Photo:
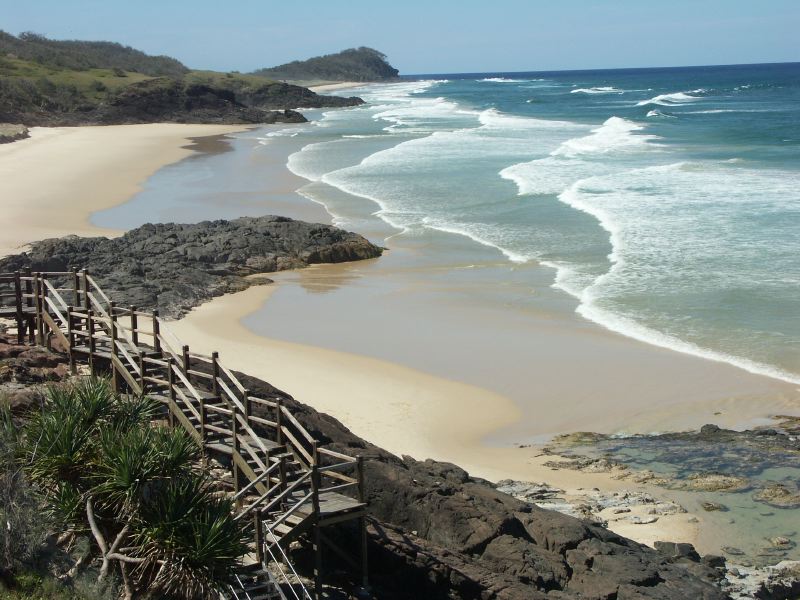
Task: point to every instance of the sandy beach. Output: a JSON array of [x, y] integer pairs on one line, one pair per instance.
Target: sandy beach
[[332, 87], [403, 410], [433, 369], [52, 182]]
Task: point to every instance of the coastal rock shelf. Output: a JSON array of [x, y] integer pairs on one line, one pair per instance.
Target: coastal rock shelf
[[436, 532], [175, 267]]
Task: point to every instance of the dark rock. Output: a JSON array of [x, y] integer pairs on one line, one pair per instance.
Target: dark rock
[[471, 541], [714, 561], [176, 267], [675, 551], [709, 506], [164, 100], [12, 133]]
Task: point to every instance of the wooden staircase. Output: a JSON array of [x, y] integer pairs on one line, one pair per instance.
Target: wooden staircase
[[283, 483]]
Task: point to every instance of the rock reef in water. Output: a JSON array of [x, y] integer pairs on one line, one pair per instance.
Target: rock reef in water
[[175, 267]]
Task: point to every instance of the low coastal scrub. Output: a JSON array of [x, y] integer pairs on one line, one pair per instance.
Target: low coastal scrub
[[54, 82], [98, 496]]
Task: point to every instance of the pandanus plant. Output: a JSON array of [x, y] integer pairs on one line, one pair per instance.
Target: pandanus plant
[[104, 467]]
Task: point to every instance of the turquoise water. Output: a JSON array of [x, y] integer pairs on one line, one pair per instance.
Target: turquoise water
[[667, 201]]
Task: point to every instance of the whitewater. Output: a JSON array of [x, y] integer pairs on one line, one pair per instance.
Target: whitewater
[[665, 201]]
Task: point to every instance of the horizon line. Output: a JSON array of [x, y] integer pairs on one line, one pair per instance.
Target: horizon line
[[754, 64]]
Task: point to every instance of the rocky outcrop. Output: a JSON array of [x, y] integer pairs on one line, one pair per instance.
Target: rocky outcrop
[[278, 95], [22, 369], [353, 64], [438, 533], [11, 133], [175, 267], [163, 100]]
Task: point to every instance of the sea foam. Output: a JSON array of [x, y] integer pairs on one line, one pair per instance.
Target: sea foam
[[674, 98], [597, 90]]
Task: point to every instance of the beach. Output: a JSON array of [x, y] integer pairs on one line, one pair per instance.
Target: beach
[[430, 351], [52, 182]]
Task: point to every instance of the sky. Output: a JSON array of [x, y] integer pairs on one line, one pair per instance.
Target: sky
[[430, 36]]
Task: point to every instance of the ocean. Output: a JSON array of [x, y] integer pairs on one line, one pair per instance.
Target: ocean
[[667, 201]]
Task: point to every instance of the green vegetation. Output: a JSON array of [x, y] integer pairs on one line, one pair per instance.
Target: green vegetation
[[51, 82], [227, 80], [130, 492], [76, 55], [354, 64]]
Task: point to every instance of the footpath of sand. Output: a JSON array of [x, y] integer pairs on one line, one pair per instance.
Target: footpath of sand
[[52, 182]]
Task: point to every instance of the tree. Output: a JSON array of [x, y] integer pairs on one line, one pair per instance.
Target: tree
[[155, 518]]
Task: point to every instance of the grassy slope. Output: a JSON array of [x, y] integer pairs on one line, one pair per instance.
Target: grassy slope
[[226, 80], [92, 83], [95, 84]]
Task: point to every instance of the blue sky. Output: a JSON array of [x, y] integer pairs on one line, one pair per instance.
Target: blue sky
[[430, 36]]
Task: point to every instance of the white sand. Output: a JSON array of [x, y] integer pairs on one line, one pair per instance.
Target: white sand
[[332, 87], [400, 409], [52, 182]]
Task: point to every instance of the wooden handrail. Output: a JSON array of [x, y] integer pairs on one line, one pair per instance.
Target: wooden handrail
[[255, 482], [97, 288], [298, 426], [295, 507], [191, 393], [335, 454]]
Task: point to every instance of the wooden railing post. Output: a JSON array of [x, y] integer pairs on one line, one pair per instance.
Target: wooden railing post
[[142, 372], [114, 352], [235, 454], [235, 430], [215, 375], [43, 309], [203, 419], [247, 403], [18, 301], [279, 420], [186, 361], [259, 534], [29, 304], [91, 340], [173, 403], [156, 333], [29, 287], [38, 306], [282, 472], [87, 303], [76, 288], [71, 341], [134, 326]]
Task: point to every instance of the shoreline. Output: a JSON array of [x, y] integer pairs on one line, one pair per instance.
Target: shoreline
[[411, 409], [427, 415], [332, 87], [55, 180]]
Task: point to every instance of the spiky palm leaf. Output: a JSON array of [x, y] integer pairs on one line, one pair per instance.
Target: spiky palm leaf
[[58, 447], [130, 464], [194, 536], [132, 411]]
